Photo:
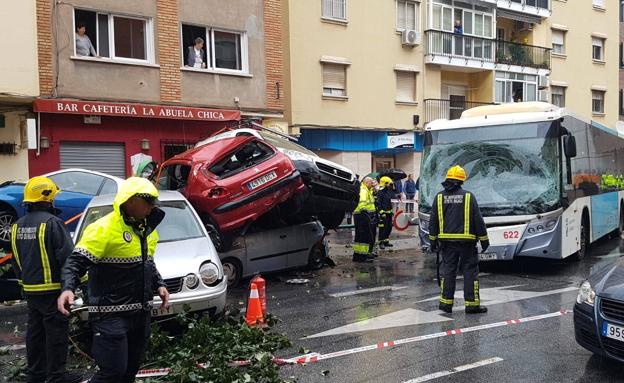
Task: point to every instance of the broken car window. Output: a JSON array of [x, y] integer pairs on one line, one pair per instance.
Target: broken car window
[[249, 155]]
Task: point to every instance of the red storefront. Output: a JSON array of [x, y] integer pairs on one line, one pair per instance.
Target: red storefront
[[103, 136]]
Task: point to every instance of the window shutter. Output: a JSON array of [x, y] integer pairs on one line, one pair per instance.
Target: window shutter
[[599, 3], [410, 15], [334, 76], [327, 8], [597, 41], [557, 37], [401, 17], [406, 86]]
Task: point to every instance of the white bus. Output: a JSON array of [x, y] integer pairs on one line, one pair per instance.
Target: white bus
[[547, 182]]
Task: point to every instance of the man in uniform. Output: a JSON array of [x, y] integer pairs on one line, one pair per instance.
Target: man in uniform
[[41, 244], [118, 251], [383, 204], [455, 226], [364, 220]]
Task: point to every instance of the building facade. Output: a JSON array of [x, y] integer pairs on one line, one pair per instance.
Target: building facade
[[124, 80], [361, 73]]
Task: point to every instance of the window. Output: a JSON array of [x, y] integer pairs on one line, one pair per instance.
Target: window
[[334, 79], [407, 15], [621, 55], [335, 9], [558, 95], [598, 49], [515, 87], [598, 97], [252, 154], [109, 187], [78, 182], [598, 3], [113, 36], [558, 42], [208, 48], [405, 86], [621, 102]]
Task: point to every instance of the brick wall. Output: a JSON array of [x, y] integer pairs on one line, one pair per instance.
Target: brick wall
[[274, 54], [168, 45], [44, 46]]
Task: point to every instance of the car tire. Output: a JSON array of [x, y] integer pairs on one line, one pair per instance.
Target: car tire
[[7, 219], [316, 259], [584, 239], [233, 269], [332, 220]]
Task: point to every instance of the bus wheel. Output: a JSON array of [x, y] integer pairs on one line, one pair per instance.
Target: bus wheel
[[584, 239], [620, 229]]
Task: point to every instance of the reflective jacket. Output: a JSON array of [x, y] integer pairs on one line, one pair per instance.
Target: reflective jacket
[[455, 216], [367, 200], [40, 244], [118, 254]]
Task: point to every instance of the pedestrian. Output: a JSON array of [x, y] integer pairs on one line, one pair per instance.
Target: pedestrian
[[410, 193], [458, 29], [383, 203], [365, 220], [454, 228], [118, 251], [398, 188], [41, 244]]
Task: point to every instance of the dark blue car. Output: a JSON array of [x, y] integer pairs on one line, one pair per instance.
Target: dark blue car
[[77, 186]]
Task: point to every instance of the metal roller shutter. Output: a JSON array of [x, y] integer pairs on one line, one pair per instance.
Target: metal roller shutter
[[101, 157]]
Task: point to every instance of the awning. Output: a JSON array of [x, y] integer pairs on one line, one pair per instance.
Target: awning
[[518, 16]]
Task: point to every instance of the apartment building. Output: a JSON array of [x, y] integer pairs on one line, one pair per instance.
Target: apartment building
[[365, 76], [121, 80]]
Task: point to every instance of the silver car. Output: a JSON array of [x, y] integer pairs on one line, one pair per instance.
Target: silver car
[[185, 255], [275, 249]]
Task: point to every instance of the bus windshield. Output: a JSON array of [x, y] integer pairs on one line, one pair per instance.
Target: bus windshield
[[512, 169]]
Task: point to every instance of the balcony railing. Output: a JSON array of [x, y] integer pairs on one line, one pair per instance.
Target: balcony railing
[[440, 43], [449, 109], [522, 55], [545, 4]]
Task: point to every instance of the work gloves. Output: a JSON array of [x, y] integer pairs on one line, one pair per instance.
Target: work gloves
[[484, 245], [435, 245]]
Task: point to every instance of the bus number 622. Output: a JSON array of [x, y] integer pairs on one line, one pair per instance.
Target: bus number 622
[[511, 234]]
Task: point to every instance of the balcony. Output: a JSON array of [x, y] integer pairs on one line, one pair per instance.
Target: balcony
[[448, 109], [514, 54], [539, 8]]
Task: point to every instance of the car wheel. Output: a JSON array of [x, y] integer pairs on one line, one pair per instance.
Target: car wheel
[[584, 240], [7, 219], [332, 220], [233, 269], [316, 259]]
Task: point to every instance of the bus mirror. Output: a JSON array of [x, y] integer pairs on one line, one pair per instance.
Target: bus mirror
[[569, 146]]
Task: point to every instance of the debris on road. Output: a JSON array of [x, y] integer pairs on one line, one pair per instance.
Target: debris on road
[[297, 281]]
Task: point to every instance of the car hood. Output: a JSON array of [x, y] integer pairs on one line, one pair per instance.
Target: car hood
[[179, 258], [609, 280]]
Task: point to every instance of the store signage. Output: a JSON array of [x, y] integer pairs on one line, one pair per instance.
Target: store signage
[[400, 140], [134, 110]]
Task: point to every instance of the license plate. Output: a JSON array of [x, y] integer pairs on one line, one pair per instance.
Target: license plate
[[261, 180], [613, 332], [487, 257], [157, 312]]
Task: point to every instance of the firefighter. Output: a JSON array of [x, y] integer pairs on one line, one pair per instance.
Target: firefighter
[[118, 251], [364, 219], [41, 244], [455, 226], [383, 203]]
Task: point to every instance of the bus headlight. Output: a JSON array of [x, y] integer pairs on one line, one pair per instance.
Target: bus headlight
[[209, 273], [586, 294]]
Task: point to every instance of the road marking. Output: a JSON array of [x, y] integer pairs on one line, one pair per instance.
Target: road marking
[[366, 291], [410, 317], [455, 370]]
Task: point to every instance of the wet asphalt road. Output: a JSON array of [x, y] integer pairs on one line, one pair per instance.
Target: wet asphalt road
[[401, 286]]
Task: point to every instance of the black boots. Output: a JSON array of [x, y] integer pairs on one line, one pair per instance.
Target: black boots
[[476, 309], [388, 244], [361, 258], [446, 308]]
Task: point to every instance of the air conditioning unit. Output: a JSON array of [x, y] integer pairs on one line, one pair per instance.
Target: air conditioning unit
[[410, 37], [542, 95], [543, 82]]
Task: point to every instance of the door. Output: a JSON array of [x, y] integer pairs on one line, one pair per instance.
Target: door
[[456, 96], [109, 158], [382, 163], [267, 250]]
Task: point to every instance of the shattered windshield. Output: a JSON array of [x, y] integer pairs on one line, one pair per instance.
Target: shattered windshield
[[512, 169]]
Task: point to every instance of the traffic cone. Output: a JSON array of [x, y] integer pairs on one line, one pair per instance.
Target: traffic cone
[[254, 308]]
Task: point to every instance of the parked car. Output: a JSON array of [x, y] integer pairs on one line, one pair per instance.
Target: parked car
[[333, 189], [599, 312], [232, 182], [277, 249], [185, 255], [77, 186]]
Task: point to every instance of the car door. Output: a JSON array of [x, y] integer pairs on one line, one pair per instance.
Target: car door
[[267, 250], [300, 239], [77, 190]]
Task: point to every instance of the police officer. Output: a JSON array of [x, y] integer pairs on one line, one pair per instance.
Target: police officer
[[364, 220], [383, 203], [118, 251], [455, 226], [41, 244]]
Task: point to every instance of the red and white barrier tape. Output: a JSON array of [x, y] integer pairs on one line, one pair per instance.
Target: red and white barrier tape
[[315, 357]]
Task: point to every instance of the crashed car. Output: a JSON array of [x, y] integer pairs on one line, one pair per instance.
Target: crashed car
[[333, 189], [232, 182], [185, 255]]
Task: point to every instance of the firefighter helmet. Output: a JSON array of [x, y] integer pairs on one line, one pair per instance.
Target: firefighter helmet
[[385, 181], [40, 189], [456, 173]]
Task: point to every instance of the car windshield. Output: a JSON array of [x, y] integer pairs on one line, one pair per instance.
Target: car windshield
[[512, 169], [245, 157], [284, 143], [179, 223]]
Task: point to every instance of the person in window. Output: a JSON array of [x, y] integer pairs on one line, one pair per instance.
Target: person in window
[[83, 42], [458, 28], [195, 55]]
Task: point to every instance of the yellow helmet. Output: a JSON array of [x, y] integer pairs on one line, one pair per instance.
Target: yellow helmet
[[40, 189], [385, 181], [456, 173]]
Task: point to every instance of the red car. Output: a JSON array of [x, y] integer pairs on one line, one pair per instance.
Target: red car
[[232, 182]]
